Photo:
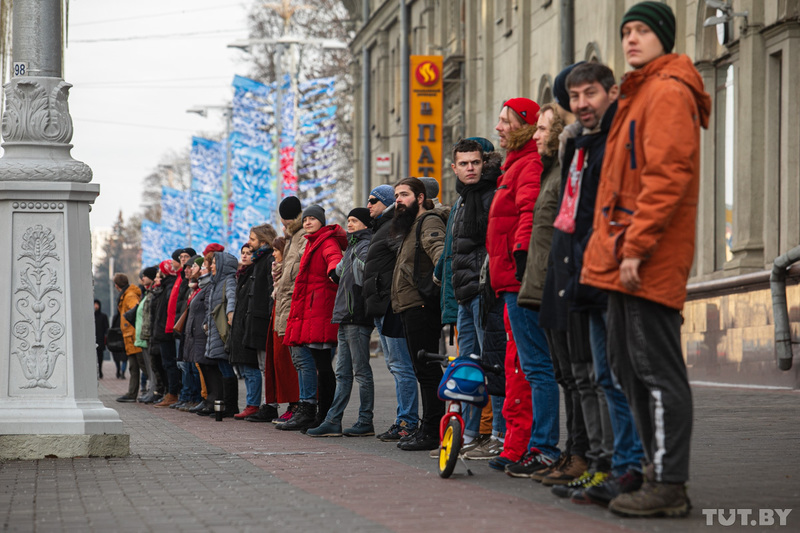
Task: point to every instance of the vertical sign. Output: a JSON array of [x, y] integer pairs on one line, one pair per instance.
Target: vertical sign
[[425, 124]]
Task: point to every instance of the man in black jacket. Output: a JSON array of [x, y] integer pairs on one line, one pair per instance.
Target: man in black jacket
[[378, 270]]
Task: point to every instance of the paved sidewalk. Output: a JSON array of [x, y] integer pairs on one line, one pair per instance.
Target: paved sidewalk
[[190, 473]]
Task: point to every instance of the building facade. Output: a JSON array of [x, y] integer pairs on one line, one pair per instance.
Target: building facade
[[749, 211]]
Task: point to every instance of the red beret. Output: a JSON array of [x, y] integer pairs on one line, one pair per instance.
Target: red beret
[[526, 108], [214, 247]]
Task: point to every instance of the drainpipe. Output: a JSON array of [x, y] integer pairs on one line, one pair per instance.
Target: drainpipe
[[366, 139], [567, 33], [780, 313], [404, 81]]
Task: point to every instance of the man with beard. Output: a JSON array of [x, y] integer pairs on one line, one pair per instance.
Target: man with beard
[[381, 258], [423, 230]]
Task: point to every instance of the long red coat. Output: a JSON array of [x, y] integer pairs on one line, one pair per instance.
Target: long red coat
[[511, 215], [314, 293]]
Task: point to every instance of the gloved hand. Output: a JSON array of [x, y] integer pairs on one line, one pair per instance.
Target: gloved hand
[[520, 257], [333, 276]]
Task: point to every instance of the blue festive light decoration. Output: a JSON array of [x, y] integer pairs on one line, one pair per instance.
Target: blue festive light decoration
[[175, 210]]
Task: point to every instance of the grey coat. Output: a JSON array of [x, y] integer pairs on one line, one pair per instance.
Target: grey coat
[[224, 280]]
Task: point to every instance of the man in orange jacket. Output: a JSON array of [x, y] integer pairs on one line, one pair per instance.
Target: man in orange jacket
[[642, 248]]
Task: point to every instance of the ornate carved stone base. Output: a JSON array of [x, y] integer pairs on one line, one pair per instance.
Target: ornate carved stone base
[[48, 383]]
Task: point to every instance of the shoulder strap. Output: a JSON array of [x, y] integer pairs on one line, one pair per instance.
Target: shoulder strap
[[418, 246]]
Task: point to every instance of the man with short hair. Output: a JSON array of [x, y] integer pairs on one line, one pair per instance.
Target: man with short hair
[[422, 229], [378, 270], [642, 247]]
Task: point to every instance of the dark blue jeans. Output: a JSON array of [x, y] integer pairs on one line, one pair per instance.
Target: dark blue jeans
[[169, 360]]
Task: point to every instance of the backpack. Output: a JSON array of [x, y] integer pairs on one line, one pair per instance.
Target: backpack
[[464, 380], [429, 290]]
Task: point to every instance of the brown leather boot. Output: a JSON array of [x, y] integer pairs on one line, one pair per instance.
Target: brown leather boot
[[168, 400]]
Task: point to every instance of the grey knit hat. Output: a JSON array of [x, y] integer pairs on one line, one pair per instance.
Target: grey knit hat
[[315, 211]]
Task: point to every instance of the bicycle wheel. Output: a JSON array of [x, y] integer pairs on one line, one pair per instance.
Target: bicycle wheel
[[451, 445]]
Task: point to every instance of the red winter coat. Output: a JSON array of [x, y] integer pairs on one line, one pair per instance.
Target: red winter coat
[[314, 294], [511, 214]]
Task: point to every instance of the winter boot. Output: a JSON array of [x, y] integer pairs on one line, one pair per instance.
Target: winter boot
[[230, 394], [303, 418]]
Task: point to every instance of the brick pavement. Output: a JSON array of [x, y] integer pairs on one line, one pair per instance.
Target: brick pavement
[[190, 473]]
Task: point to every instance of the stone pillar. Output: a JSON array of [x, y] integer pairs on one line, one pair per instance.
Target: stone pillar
[[48, 390], [748, 198]]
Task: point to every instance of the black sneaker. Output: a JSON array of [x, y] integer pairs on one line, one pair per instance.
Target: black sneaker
[[532, 462], [614, 486], [411, 435], [565, 491], [126, 399], [420, 442], [397, 432]]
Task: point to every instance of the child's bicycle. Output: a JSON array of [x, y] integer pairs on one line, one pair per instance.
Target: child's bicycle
[[463, 381]]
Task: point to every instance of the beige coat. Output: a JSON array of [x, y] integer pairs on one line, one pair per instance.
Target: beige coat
[[295, 246]]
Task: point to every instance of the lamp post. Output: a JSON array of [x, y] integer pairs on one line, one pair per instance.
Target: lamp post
[[227, 111], [48, 397]]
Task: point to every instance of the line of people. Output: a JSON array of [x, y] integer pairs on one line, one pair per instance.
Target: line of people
[[565, 262]]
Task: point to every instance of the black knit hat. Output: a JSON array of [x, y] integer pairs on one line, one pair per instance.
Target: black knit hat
[[290, 208], [189, 251], [658, 16], [149, 272], [176, 255], [315, 211], [362, 214], [560, 91]]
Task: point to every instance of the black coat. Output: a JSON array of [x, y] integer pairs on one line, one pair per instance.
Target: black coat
[[158, 332], [194, 343], [100, 329], [563, 291], [469, 251], [381, 257], [259, 302], [240, 353]]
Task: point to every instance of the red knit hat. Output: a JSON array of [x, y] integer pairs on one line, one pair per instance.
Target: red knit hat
[[214, 247], [525, 108]]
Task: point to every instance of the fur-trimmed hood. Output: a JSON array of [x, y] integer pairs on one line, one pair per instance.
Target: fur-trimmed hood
[[294, 225]]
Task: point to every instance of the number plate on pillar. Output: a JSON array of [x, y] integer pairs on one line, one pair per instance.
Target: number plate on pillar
[[20, 68]]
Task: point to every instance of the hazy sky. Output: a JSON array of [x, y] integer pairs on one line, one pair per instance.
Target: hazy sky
[[136, 67]]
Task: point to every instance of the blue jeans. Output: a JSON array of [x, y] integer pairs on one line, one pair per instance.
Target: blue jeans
[[306, 373], [253, 379], [226, 369], [498, 422], [627, 446], [398, 360], [470, 341], [534, 358], [169, 352], [190, 391], [353, 360]]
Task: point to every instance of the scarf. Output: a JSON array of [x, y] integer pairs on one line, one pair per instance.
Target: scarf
[[475, 220]]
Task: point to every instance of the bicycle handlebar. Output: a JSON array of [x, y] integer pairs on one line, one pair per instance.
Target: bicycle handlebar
[[444, 359]]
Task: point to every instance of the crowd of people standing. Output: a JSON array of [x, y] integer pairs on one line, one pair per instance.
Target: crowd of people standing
[[564, 261]]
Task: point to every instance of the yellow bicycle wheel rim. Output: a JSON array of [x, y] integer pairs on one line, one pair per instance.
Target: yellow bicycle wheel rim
[[447, 445]]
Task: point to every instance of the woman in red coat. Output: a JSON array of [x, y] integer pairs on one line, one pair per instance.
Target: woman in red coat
[[312, 306]]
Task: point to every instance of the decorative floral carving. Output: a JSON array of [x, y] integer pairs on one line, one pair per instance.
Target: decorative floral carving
[[37, 329], [34, 113]]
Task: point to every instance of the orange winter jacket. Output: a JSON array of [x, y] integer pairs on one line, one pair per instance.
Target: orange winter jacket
[[647, 198]]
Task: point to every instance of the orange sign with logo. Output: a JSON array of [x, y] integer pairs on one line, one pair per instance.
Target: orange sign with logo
[[426, 117]]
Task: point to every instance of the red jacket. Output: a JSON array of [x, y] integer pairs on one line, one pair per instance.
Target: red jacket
[[511, 215], [314, 294]]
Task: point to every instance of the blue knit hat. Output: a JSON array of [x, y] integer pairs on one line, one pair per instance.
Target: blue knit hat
[[486, 144], [384, 193]]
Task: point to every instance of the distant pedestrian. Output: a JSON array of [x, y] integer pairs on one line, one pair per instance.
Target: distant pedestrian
[[100, 330]]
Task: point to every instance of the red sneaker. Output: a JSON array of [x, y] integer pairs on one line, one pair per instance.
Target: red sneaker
[[249, 410]]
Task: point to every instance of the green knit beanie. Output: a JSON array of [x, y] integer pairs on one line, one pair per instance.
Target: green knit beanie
[[658, 16]]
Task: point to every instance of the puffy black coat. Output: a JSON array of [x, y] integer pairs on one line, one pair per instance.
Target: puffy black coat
[[240, 353], [194, 344], [469, 251], [259, 302], [158, 332], [379, 268]]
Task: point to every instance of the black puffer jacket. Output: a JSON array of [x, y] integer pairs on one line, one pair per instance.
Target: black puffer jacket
[[241, 353], [160, 311], [469, 251], [259, 301], [194, 344], [381, 258]]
